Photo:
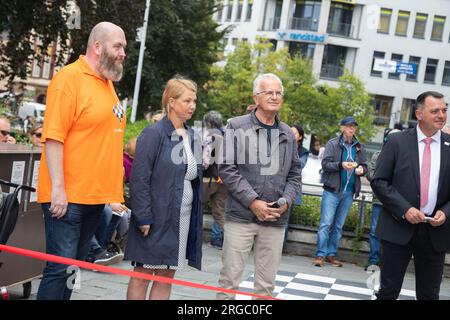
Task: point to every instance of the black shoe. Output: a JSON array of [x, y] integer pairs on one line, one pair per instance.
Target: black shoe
[[217, 244], [107, 258]]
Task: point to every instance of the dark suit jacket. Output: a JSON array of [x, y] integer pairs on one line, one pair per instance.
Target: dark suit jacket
[[396, 182]]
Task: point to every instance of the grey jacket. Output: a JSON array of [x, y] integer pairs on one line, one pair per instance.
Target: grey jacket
[[332, 164], [371, 172], [250, 171]]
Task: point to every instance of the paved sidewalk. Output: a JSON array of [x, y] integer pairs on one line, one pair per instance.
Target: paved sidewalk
[[101, 286]]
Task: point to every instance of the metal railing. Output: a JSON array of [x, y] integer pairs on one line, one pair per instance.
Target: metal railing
[[340, 29], [316, 190], [331, 71], [273, 24], [304, 24]]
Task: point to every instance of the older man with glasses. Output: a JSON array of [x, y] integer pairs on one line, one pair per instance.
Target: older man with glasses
[[263, 177], [5, 131]]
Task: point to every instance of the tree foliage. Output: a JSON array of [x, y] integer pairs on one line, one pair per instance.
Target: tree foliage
[[317, 107], [181, 38]]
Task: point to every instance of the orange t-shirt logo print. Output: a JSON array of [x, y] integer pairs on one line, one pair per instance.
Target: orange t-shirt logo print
[[118, 111]]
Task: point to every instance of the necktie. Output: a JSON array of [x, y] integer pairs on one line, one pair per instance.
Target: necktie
[[425, 173]]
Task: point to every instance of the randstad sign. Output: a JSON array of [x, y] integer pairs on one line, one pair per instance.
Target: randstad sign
[[302, 36]]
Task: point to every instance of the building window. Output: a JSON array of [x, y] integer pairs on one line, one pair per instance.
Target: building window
[[383, 109], [340, 19], [402, 23], [416, 60], [306, 15], [229, 10], [446, 76], [385, 20], [249, 10], [420, 26], [376, 55], [274, 23], [36, 72], [306, 50], [408, 114], [398, 58], [438, 28], [239, 10], [333, 62], [430, 71]]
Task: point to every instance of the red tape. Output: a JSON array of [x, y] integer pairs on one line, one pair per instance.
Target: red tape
[[131, 274]]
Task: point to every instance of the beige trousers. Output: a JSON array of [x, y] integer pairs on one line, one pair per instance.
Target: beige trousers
[[239, 238]]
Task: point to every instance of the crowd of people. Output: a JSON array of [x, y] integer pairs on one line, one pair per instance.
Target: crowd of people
[[143, 202]]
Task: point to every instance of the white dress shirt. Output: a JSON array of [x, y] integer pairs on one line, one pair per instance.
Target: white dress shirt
[[435, 147]]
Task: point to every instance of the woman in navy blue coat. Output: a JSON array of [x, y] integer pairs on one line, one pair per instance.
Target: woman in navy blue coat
[[166, 224]]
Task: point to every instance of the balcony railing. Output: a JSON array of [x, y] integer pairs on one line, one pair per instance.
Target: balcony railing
[[304, 24], [273, 24], [340, 29], [331, 71]]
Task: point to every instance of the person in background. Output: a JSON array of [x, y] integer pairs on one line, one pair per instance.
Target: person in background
[[35, 136], [5, 131], [343, 164], [374, 241], [213, 188], [303, 154]]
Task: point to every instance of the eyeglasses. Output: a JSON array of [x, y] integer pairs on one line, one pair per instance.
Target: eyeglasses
[[5, 133], [270, 93], [38, 135]]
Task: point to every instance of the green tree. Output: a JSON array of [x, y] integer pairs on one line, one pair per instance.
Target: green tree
[[181, 39], [318, 108], [24, 22]]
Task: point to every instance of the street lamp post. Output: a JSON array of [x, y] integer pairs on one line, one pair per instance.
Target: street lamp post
[[141, 61]]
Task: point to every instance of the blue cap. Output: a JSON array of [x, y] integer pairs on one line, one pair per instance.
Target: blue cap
[[348, 120]]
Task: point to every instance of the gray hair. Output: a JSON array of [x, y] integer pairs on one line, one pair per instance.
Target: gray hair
[[213, 119], [257, 82]]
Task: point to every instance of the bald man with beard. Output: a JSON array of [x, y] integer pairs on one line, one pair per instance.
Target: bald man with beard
[[81, 166]]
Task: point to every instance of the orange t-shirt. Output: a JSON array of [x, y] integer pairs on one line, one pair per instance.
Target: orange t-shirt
[[84, 113]]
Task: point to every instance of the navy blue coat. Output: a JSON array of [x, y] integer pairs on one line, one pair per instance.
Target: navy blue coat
[[156, 193]]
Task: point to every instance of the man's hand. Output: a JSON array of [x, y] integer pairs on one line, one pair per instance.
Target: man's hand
[[414, 216], [145, 229], [59, 203], [118, 207], [439, 219], [263, 212], [347, 165], [11, 140]]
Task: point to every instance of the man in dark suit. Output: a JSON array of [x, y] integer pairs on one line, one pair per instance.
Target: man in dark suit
[[411, 180]]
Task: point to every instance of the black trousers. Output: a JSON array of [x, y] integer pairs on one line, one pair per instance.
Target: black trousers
[[428, 264]]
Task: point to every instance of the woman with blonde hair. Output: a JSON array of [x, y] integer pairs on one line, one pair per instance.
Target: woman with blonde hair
[[166, 224]]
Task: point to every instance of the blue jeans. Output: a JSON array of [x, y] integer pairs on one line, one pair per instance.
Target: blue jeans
[[335, 207], [68, 237], [100, 238], [216, 233], [374, 255]]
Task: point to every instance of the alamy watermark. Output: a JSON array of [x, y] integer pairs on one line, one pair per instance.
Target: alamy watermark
[[74, 280], [237, 147]]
